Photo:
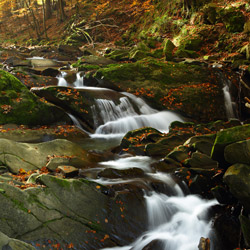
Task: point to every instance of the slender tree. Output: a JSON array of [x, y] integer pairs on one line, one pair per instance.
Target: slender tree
[[48, 9]]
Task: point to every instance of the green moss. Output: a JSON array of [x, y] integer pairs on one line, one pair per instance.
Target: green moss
[[18, 105]]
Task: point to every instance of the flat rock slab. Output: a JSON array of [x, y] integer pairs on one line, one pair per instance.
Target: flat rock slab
[[68, 211], [30, 156]]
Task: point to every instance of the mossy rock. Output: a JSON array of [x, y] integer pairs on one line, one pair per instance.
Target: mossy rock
[[233, 19], [184, 53], [186, 88], [20, 106], [132, 138], [226, 137], [237, 177], [238, 152], [118, 55], [210, 13], [168, 49]]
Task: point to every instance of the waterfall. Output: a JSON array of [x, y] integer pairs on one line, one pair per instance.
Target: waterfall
[[79, 82], [61, 79], [121, 118], [175, 222], [229, 105]]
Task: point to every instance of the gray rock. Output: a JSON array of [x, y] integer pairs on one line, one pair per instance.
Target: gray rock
[[199, 160], [13, 244], [17, 155], [238, 152], [237, 177], [71, 211]]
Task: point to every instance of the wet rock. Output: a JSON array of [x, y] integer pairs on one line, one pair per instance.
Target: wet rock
[[199, 160], [35, 156], [68, 171], [203, 147], [179, 154], [166, 144], [237, 177], [41, 134], [58, 161], [38, 63], [226, 137], [15, 62], [113, 173], [146, 135], [238, 152], [227, 228], [166, 165], [77, 210], [19, 106], [222, 195], [50, 72]]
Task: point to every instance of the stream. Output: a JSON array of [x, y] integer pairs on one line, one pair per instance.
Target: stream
[[176, 219]]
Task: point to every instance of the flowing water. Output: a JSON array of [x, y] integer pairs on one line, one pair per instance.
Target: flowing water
[[176, 220]]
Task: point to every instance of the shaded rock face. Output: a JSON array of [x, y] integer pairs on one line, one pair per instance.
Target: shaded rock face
[[19, 106], [27, 156], [70, 211]]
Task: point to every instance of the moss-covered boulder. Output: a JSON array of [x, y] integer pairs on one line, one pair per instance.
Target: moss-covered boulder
[[233, 19], [226, 137], [184, 88], [168, 49], [71, 213], [19, 106], [238, 152], [237, 177]]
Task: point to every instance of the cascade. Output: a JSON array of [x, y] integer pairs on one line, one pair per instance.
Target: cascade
[[176, 220]]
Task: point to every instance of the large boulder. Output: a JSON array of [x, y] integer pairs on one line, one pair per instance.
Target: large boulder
[[238, 152], [19, 106], [71, 213], [237, 177], [31, 156], [226, 137]]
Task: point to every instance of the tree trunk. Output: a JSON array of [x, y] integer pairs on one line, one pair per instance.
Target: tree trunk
[[60, 9], [48, 9], [44, 20]]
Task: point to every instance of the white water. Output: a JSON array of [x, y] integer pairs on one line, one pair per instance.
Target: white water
[[79, 82], [177, 222], [61, 79], [228, 102]]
